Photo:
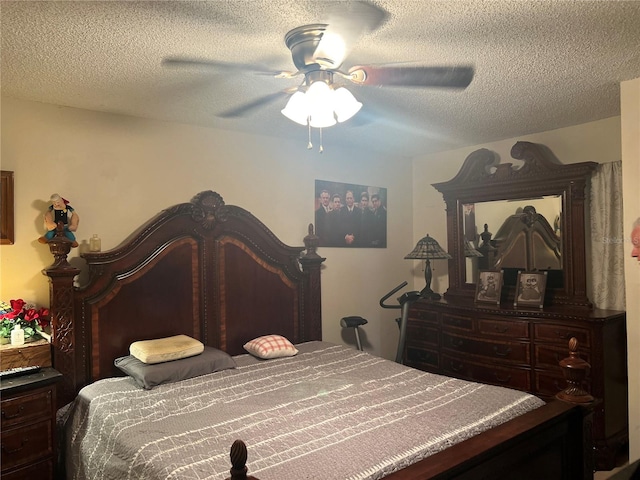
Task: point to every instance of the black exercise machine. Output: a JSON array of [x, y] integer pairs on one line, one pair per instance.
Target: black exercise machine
[[404, 302]]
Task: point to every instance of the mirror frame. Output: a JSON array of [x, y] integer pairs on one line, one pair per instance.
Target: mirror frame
[[483, 178]]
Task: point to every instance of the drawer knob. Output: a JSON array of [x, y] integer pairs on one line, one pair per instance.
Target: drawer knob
[[501, 329], [8, 451], [456, 367], [503, 353], [17, 413], [502, 379], [456, 342]]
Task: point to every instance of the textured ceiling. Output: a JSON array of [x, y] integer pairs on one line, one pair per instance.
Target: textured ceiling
[[540, 65]]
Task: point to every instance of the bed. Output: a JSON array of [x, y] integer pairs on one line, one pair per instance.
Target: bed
[[216, 273]]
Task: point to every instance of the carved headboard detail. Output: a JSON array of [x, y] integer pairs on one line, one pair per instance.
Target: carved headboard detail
[[203, 268]]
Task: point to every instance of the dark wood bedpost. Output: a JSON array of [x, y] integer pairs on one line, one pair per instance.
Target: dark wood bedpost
[[63, 336], [238, 456], [575, 371], [311, 263]]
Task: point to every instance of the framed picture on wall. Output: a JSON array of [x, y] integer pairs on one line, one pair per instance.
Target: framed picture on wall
[[489, 287], [530, 289], [6, 205], [350, 215]]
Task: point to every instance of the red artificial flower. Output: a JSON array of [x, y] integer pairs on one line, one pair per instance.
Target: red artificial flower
[[43, 317], [17, 305]]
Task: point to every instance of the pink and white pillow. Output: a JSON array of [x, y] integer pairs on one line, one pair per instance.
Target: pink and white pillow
[[271, 346]]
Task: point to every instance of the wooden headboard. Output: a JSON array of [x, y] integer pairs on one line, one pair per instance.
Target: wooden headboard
[[203, 268], [526, 241]]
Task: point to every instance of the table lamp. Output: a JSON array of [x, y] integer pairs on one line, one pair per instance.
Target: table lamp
[[470, 251], [427, 249]]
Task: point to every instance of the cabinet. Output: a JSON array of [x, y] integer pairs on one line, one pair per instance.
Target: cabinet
[[521, 349], [28, 408]]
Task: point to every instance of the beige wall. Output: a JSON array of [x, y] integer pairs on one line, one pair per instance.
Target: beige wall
[[630, 110], [120, 171]]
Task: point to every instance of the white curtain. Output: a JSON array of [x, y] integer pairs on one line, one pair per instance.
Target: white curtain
[[607, 236]]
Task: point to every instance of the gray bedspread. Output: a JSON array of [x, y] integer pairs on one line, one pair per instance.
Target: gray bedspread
[[330, 412]]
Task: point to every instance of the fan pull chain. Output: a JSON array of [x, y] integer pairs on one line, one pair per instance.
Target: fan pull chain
[[309, 145], [320, 149]]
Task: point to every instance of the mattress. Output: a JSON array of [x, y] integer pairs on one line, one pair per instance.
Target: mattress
[[330, 412]]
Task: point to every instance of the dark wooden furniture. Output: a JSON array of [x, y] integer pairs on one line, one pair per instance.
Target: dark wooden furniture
[[6, 208], [215, 272], [28, 425], [204, 269], [33, 353], [521, 347]]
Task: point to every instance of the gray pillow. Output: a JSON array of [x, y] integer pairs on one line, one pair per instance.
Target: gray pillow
[[149, 375]]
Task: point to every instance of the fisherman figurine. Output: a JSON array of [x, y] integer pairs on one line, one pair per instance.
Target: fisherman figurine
[[60, 212]]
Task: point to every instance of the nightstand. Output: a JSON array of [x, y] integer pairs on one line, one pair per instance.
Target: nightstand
[[28, 425]]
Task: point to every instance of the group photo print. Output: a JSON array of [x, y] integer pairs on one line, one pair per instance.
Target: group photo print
[[350, 215]]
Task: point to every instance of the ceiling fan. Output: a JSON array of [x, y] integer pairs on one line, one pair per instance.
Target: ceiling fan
[[318, 52]]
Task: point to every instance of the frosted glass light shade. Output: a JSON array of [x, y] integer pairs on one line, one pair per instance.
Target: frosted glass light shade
[[345, 104], [321, 106], [297, 108], [322, 119]]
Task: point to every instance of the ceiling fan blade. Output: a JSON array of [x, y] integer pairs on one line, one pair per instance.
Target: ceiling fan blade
[[413, 76], [347, 23], [222, 67], [259, 102]]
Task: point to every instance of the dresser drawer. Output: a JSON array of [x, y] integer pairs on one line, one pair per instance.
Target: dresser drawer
[[455, 321], [422, 358], [423, 333], [36, 471], [24, 444], [26, 408], [550, 356], [512, 352], [427, 316], [517, 378], [504, 328], [561, 334]]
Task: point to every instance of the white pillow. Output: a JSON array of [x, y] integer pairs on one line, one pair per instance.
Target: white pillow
[[270, 346], [166, 349]]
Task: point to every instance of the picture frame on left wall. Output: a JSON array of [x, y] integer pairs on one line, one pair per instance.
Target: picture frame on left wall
[[6, 208]]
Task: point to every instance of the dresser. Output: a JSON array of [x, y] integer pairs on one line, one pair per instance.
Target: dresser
[[536, 208], [520, 349], [28, 425]]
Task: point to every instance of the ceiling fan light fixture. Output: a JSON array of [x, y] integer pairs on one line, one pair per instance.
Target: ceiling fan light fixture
[[321, 106]]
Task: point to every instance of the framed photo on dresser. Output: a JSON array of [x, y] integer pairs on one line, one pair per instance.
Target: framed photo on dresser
[[489, 287], [530, 289]]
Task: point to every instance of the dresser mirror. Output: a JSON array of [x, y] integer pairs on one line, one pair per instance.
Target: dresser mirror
[[535, 213], [487, 224]]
